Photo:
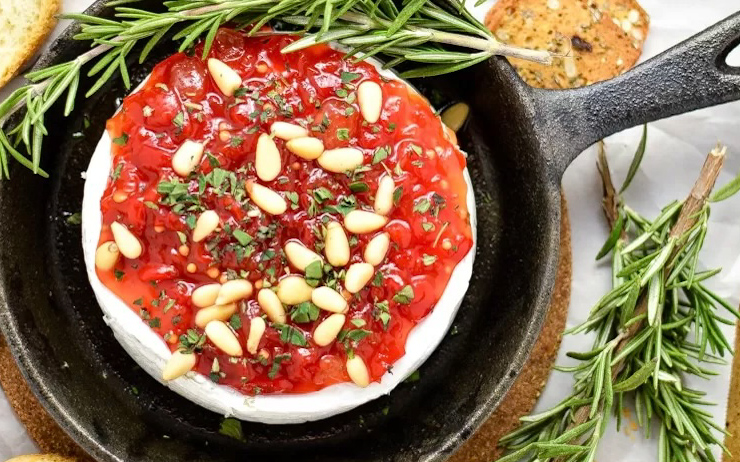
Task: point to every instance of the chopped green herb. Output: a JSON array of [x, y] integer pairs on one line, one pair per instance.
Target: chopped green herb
[[121, 140], [343, 134], [117, 172], [241, 91], [232, 428], [348, 77], [74, 219], [179, 120], [422, 205], [139, 301], [414, 377], [378, 279], [235, 322], [236, 141], [322, 194], [293, 197], [276, 361], [151, 205], [192, 341], [304, 312], [341, 92], [242, 237], [397, 193], [191, 220], [119, 274], [290, 334], [428, 260], [381, 312], [405, 295], [358, 322], [427, 226], [314, 272], [359, 187], [155, 323], [380, 154]]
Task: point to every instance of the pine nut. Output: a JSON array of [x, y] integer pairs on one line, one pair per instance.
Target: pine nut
[[384, 196], [187, 157], [236, 289], [271, 305], [287, 131], [328, 329], [306, 148], [363, 222], [256, 330], [226, 78], [191, 268], [357, 371], [214, 313], [341, 160], [221, 335], [127, 243], [224, 136], [299, 255], [213, 272], [370, 99], [120, 196], [455, 116], [106, 256], [329, 299], [376, 249], [205, 295], [183, 250], [266, 199], [293, 290], [358, 275], [446, 244], [179, 364], [206, 224], [267, 160], [158, 228], [336, 245]]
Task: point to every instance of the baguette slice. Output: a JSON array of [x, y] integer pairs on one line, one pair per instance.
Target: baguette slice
[[41, 457], [24, 25]]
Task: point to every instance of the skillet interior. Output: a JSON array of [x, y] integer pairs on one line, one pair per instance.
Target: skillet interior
[[117, 412]]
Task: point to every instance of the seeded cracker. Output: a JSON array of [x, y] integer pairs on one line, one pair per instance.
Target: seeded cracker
[[600, 39]]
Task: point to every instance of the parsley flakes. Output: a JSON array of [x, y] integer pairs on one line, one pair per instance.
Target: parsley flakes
[[404, 296]]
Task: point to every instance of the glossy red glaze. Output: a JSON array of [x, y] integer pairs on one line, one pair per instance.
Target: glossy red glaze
[[179, 102]]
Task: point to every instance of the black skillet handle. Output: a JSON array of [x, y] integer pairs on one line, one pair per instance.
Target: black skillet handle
[[691, 75]]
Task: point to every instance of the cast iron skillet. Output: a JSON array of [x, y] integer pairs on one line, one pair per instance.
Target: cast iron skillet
[[519, 141]]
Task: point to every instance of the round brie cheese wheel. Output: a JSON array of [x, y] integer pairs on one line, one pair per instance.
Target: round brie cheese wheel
[[151, 352]]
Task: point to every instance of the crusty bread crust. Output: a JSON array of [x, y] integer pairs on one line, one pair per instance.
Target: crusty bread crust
[[24, 25], [41, 458]]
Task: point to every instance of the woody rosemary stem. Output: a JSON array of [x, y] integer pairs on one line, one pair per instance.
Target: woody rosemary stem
[[686, 220]]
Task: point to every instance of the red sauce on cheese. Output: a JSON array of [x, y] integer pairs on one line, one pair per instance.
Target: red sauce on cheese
[[429, 223]]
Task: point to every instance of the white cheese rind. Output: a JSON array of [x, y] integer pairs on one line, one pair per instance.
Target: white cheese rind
[[151, 352]]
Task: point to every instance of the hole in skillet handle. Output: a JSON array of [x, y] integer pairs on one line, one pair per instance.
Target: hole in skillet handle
[[126, 415]]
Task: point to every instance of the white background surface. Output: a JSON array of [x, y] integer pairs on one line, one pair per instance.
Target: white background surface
[[675, 151]]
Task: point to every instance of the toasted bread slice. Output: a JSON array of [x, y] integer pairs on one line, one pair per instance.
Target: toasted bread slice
[[24, 25], [41, 458], [599, 39]]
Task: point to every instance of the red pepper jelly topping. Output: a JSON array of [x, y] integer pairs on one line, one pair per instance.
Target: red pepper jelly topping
[[282, 221]]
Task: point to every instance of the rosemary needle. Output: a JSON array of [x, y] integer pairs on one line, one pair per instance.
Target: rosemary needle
[[436, 36], [658, 324]]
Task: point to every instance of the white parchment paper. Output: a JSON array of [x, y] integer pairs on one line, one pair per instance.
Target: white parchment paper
[[675, 151]]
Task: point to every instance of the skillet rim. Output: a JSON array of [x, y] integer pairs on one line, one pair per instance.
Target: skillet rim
[[448, 443]]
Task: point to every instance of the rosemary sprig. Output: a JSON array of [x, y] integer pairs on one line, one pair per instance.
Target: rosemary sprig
[[437, 36], [643, 345]]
